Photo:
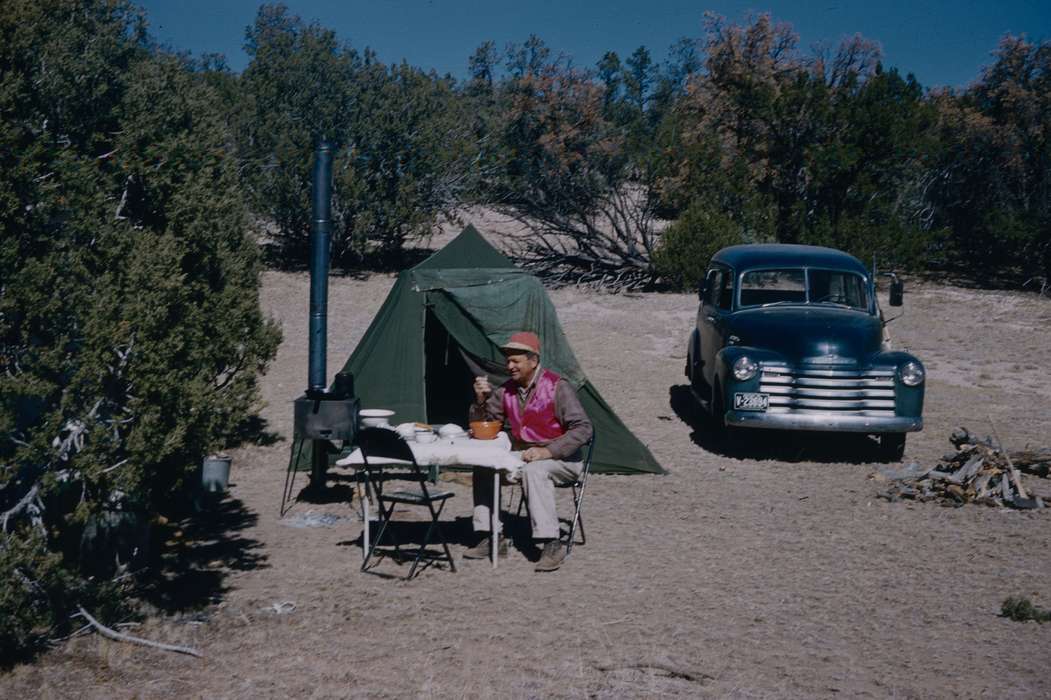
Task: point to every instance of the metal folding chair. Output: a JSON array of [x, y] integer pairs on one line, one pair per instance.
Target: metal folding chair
[[578, 485], [383, 443]]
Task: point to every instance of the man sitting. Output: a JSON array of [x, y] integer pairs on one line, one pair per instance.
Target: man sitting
[[549, 425]]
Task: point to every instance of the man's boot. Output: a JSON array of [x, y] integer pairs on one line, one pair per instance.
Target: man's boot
[[551, 557], [484, 547]]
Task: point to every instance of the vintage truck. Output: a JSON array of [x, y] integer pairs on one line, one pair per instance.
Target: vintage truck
[[792, 337]]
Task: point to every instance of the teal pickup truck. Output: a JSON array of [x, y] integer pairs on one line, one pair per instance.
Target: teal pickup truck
[[791, 337]]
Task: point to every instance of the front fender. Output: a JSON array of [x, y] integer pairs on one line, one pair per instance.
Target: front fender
[[908, 400], [724, 362]]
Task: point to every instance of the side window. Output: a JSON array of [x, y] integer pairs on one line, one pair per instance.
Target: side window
[[720, 288], [726, 291], [715, 285]]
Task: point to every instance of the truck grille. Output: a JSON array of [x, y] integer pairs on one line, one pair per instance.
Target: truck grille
[[836, 391]]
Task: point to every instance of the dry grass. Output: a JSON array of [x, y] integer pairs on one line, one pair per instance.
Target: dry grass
[[773, 573]]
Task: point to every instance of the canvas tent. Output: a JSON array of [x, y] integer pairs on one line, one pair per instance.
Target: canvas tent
[[443, 322]]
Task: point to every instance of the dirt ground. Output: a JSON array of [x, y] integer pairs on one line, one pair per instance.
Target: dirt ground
[[772, 573]]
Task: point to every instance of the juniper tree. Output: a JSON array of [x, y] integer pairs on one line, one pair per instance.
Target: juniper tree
[[130, 329]]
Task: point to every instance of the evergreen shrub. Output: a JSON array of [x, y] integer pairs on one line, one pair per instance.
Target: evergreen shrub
[[131, 334], [689, 243]]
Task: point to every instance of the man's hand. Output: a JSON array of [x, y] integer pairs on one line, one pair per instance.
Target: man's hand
[[534, 454], [482, 389]]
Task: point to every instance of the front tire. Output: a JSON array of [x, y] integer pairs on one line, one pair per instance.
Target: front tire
[[892, 447], [696, 376], [729, 436]]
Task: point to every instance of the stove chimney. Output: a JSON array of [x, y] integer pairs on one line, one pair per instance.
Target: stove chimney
[[322, 417], [320, 244]]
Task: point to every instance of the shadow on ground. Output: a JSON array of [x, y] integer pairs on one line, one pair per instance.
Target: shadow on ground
[[197, 552], [459, 534], [779, 445], [253, 431]]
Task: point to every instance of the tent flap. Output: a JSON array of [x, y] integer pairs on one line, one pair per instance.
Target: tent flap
[[500, 308]]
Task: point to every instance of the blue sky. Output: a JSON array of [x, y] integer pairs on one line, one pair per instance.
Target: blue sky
[[942, 42]]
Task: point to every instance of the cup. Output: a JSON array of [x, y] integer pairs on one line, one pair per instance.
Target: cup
[[343, 387]]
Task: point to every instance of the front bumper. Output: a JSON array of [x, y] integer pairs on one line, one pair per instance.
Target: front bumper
[[821, 422]]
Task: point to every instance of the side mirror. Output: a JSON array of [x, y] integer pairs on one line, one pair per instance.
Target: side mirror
[[897, 290]]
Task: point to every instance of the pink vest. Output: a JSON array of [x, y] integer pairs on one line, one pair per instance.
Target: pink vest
[[538, 423]]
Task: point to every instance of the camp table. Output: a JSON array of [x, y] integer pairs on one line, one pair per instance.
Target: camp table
[[495, 455]]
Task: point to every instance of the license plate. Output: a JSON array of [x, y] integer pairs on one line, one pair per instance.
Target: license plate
[[751, 401]]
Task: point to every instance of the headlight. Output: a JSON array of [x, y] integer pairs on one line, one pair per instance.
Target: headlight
[[911, 374], [745, 368]]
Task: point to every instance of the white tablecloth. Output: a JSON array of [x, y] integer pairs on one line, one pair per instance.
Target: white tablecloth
[[495, 454]]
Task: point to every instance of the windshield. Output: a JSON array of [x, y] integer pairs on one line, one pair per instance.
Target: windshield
[[799, 286]]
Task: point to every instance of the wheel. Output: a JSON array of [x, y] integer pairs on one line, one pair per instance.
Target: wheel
[[729, 436], [716, 406], [691, 362], [892, 446], [696, 377]]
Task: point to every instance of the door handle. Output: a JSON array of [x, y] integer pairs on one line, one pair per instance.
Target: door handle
[[711, 319]]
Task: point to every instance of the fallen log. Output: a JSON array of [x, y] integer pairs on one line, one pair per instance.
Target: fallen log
[[968, 470]]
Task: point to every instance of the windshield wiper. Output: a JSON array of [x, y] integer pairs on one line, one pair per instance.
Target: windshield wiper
[[779, 303], [837, 305]]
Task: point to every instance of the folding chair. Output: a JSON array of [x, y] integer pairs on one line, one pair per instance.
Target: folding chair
[[578, 486], [382, 443]]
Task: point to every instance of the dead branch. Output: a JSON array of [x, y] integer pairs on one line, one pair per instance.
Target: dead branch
[[118, 215], [607, 244], [22, 504], [1015, 476], [1045, 284], [79, 632], [121, 637], [119, 464]]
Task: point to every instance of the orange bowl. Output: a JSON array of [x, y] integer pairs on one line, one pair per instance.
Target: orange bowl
[[485, 429]]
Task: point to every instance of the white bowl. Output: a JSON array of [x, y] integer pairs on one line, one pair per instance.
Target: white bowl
[[451, 430], [375, 417], [427, 436]]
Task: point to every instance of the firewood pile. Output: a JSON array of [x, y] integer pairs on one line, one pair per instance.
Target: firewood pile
[[979, 471]]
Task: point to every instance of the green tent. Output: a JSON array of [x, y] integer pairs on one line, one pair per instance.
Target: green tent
[[443, 323]]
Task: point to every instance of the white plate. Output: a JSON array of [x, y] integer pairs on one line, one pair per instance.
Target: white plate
[[375, 413]]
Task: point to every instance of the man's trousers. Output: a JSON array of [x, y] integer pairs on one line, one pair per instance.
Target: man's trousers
[[539, 479]]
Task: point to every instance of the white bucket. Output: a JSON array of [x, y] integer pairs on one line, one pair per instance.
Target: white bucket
[[215, 473]]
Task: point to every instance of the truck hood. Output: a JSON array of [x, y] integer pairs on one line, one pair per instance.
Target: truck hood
[[809, 333]]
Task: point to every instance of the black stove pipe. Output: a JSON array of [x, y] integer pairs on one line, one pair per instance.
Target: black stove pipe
[[320, 243]]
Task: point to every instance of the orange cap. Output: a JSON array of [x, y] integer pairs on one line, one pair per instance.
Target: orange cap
[[524, 341]]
